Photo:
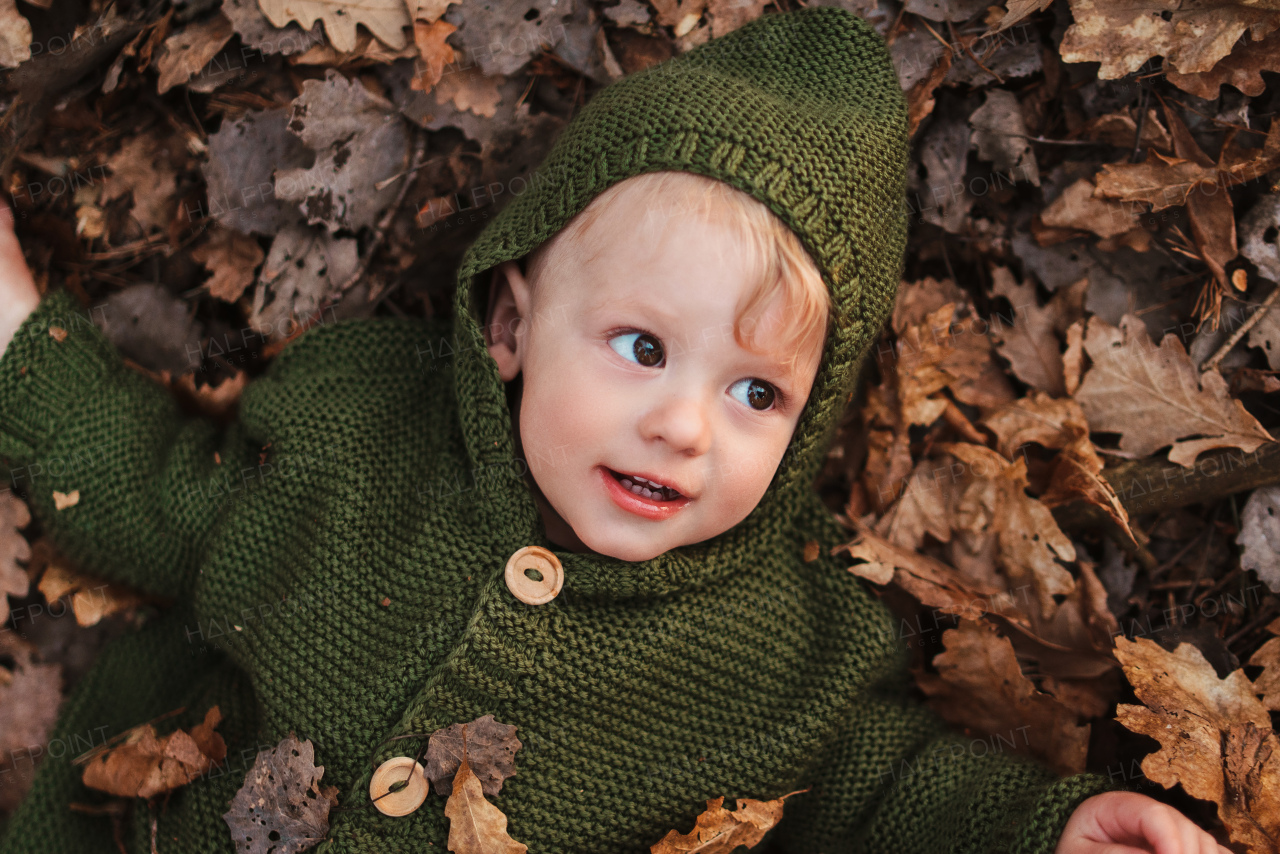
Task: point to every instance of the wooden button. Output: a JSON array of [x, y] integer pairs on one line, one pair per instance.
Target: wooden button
[[400, 769], [528, 588]]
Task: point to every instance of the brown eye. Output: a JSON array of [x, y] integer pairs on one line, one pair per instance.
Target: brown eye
[[641, 346], [759, 395]]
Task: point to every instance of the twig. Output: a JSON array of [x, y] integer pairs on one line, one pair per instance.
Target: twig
[[1221, 352], [1142, 120]]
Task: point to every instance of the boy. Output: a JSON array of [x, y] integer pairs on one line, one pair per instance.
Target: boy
[[635, 418]]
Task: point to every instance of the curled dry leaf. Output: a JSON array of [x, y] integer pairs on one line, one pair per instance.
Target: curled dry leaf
[[14, 516], [720, 831], [281, 808], [1215, 737], [1154, 396], [145, 765], [490, 748], [980, 685], [92, 599], [475, 825]]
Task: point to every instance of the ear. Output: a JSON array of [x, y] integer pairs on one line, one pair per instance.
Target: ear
[[504, 327]]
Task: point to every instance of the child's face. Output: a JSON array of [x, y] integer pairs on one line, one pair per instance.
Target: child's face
[[630, 367]]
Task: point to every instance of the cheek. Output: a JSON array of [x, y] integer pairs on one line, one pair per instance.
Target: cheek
[[560, 417]]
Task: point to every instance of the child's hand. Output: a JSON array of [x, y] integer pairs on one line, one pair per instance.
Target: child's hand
[[1129, 823], [18, 294]]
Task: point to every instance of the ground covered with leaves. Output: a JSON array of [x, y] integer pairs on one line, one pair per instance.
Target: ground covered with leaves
[[1061, 471]]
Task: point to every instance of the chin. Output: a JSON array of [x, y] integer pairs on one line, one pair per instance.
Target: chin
[[623, 551]]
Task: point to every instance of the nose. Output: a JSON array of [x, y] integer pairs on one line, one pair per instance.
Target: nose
[[681, 422]]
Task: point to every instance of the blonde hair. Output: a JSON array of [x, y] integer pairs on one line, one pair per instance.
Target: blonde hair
[[783, 266]]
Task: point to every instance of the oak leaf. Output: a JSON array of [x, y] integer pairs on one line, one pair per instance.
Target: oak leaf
[[187, 51], [1267, 656], [1154, 396], [475, 825], [384, 18], [979, 685], [92, 599], [489, 746], [1215, 736], [1031, 342], [1242, 69], [721, 831], [232, 258], [1192, 35], [145, 765]]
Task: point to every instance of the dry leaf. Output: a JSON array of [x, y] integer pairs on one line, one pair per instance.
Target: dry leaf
[[994, 503], [923, 508], [1267, 656], [92, 599], [1000, 135], [1215, 736], [63, 500], [1017, 10], [1078, 209], [233, 258], [145, 766], [1241, 69], [281, 808], [979, 685], [190, 49], [142, 167], [305, 268], [488, 745], [14, 516], [475, 825], [384, 18], [1154, 396], [721, 831], [1191, 36], [1259, 537], [15, 36], [1031, 343], [435, 52], [30, 694]]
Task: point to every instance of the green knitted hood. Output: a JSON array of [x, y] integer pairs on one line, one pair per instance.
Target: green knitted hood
[[803, 111]]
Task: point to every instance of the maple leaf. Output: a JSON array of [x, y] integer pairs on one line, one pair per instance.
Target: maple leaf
[[14, 516], [1192, 35], [144, 765], [1215, 736], [475, 825], [720, 831], [489, 746], [979, 685], [1154, 396], [281, 808]]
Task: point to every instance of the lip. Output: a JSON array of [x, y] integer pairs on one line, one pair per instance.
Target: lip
[[655, 511]]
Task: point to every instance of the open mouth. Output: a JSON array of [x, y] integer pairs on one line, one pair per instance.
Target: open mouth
[[645, 488]]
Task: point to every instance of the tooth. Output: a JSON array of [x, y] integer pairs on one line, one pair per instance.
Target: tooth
[[627, 482]]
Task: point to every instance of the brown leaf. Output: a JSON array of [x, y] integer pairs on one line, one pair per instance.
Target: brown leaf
[[923, 508], [63, 500], [14, 516], [1159, 181], [1029, 542], [475, 825], [233, 258], [490, 746], [1031, 343], [1121, 130], [281, 808], [1267, 656], [142, 167], [1215, 736], [1078, 209], [1154, 396], [384, 18], [1017, 10], [1241, 69], [188, 50], [979, 685], [1059, 425], [145, 766], [30, 694], [921, 100], [92, 599], [434, 51], [1191, 37], [721, 831]]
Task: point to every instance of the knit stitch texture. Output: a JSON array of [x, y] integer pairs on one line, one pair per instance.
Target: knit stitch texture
[[374, 463]]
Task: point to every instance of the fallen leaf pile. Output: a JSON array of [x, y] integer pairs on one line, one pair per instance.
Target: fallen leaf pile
[[1064, 439]]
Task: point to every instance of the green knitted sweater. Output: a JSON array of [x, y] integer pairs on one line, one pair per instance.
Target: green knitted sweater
[[335, 556]]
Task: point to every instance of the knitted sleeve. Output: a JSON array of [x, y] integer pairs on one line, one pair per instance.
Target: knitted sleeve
[[900, 779], [80, 429]]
